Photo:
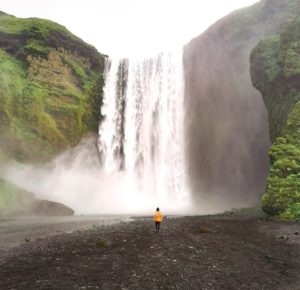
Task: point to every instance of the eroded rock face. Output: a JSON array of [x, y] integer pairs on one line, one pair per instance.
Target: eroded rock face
[[227, 127], [50, 208], [275, 71]]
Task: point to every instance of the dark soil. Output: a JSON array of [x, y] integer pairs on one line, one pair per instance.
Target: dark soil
[[187, 253]]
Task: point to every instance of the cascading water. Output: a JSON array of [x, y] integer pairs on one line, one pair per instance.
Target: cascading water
[[141, 135]]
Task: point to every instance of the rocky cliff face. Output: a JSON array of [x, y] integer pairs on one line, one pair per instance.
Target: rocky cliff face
[[275, 71], [50, 88], [227, 131]]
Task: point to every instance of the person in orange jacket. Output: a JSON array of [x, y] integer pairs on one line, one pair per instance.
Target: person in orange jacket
[[158, 219]]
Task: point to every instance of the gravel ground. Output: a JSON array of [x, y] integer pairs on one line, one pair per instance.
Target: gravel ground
[[188, 253], [15, 231]]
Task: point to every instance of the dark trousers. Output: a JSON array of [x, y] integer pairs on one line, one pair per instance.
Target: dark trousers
[[157, 225]]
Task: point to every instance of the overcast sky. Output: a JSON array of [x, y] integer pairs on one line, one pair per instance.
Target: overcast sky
[[129, 27]]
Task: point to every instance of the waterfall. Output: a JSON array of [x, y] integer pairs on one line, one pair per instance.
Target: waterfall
[[141, 135]]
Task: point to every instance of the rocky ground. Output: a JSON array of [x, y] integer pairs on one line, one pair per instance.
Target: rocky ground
[[217, 252]]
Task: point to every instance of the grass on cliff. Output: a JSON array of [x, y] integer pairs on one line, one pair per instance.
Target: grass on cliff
[[38, 112], [290, 48], [34, 31], [22, 118], [32, 28], [34, 36]]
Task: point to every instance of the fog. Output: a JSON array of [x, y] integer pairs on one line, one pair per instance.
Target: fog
[[75, 179]]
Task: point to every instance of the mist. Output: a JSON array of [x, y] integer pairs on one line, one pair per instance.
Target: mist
[[225, 134], [75, 178]]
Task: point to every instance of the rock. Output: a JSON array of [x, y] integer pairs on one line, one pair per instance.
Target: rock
[[284, 237], [51, 208]]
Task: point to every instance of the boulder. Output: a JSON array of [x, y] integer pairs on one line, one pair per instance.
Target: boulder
[[51, 208]]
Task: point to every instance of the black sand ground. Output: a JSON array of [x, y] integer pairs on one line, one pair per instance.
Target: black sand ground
[[237, 254]]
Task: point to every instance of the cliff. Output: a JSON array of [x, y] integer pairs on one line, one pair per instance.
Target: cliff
[[275, 71], [50, 88], [227, 126]]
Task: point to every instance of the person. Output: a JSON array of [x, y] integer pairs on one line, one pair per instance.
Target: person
[[157, 219]]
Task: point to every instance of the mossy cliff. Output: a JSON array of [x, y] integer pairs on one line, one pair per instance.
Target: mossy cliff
[[275, 71], [50, 88]]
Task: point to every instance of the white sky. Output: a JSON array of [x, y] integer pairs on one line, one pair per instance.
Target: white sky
[[129, 27]]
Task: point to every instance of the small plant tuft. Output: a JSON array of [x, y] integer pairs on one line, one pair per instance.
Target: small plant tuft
[[205, 230], [102, 244]]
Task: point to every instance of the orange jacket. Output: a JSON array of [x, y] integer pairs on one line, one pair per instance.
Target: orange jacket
[[158, 217]]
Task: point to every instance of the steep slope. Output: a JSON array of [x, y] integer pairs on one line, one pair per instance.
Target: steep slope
[[275, 71], [226, 129], [50, 88]]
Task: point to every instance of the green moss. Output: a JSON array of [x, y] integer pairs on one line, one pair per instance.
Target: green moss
[[50, 88], [35, 28], [39, 34], [265, 57], [36, 49], [8, 194], [77, 69], [101, 244], [290, 34]]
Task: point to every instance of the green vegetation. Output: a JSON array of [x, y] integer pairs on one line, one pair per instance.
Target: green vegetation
[[33, 36], [102, 244], [14, 200], [266, 57], [50, 88], [205, 230], [292, 212], [8, 195], [275, 71], [41, 28], [283, 186]]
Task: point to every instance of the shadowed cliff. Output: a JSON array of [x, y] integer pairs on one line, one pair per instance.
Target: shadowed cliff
[[226, 123]]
